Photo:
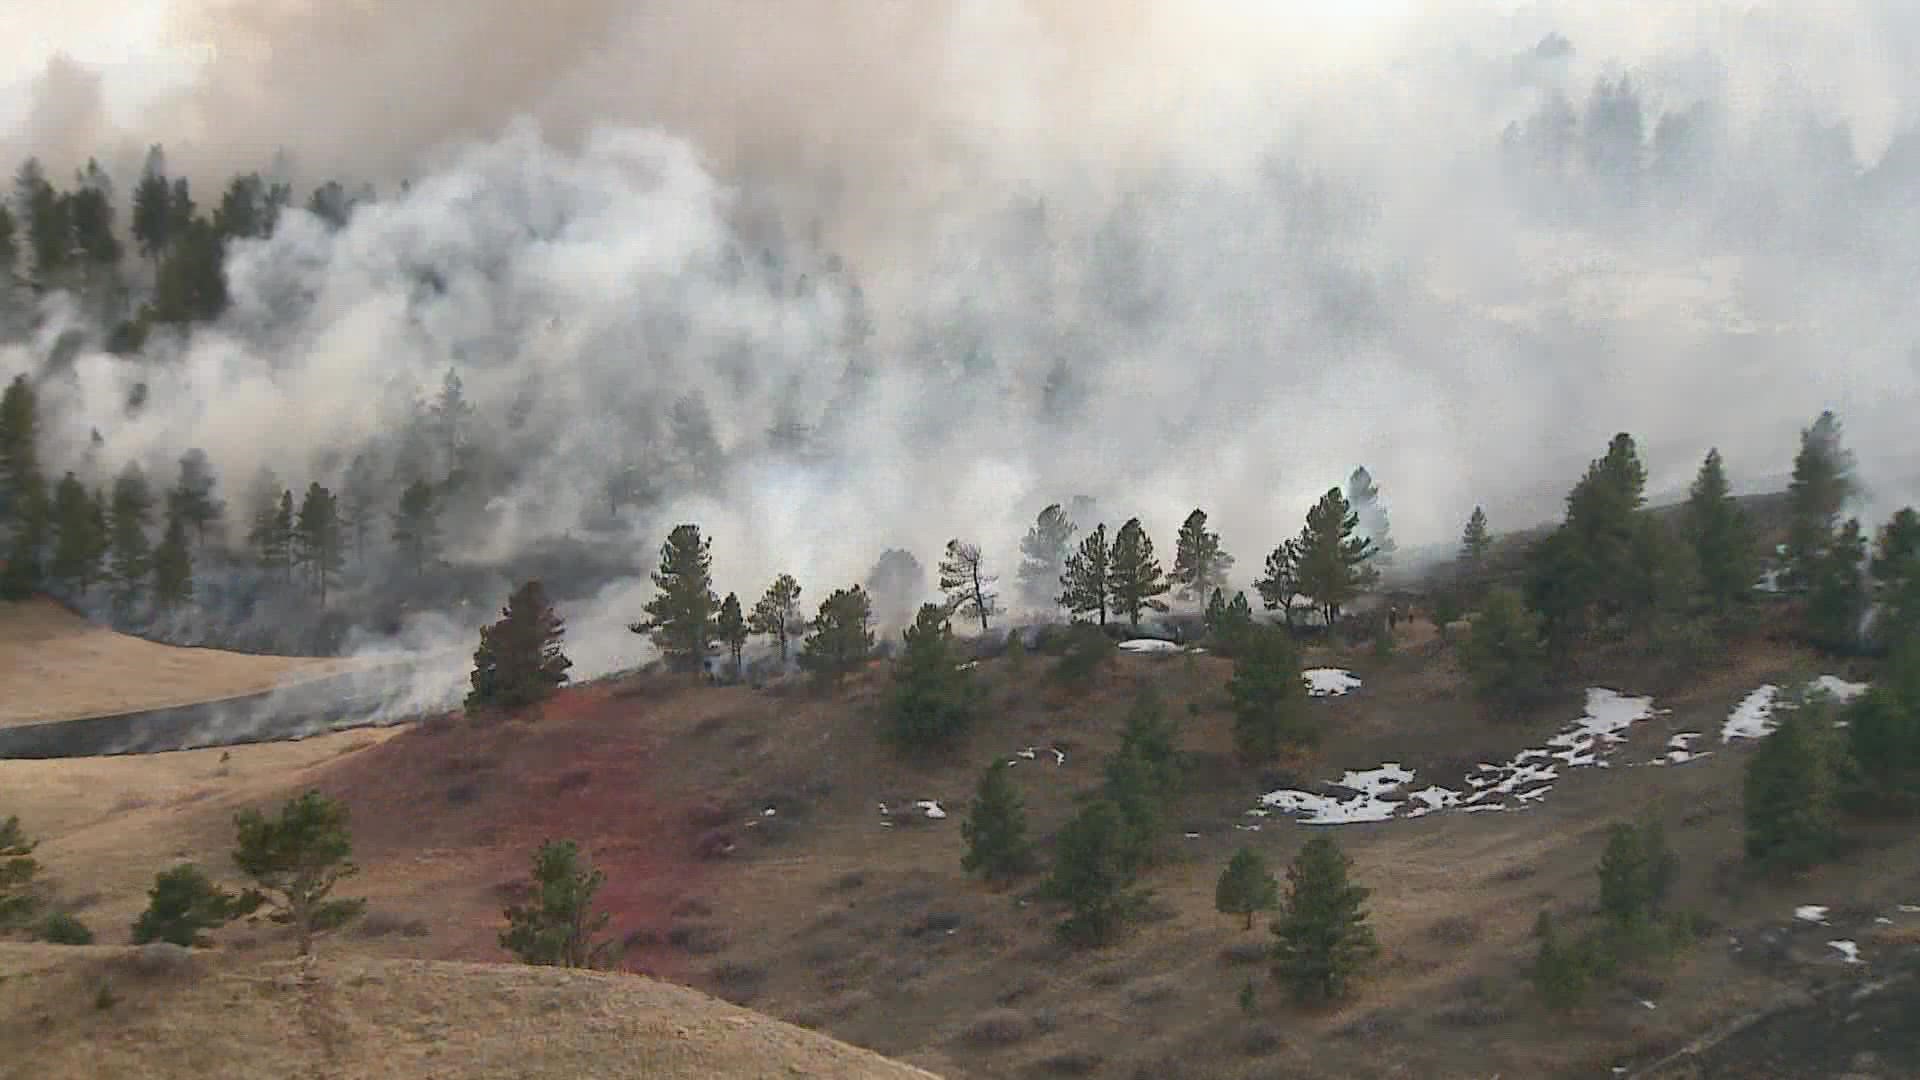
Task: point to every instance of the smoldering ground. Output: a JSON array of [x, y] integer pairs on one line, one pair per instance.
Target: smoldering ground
[[922, 269]]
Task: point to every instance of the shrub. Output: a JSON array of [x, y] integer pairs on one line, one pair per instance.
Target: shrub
[[997, 1027], [1083, 647], [61, 928], [558, 928], [181, 906]]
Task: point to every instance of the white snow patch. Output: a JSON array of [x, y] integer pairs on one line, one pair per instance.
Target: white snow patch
[[931, 808], [1369, 804], [1753, 718], [1813, 913], [1191, 835], [1910, 909], [1680, 750], [1149, 645], [1031, 752], [768, 812], [1329, 682], [1847, 949]]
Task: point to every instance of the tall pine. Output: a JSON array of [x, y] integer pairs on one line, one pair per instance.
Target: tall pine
[[1043, 555], [968, 587], [519, 661], [1085, 585], [1822, 483], [173, 567], [680, 617], [1335, 564], [1722, 541], [841, 638], [319, 543], [416, 526], [777, 614], [1200, 564], [995, 831], [1321, 937], [1134, 577], [132, 551], [1267, 695], [730, 626]]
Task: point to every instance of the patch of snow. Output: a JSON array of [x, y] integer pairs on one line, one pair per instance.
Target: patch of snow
[[1847, 949], [1191, 835], [931, 808], [1753, 718], [1910, 909], [1329, 682], [1031, 752], [1680, 750], [768, 812], [1246, 827], [1149, 645], [1813, 913], [1837, 688], [1648, 1005], [1882, 920], [968, 666], [1368, 804]]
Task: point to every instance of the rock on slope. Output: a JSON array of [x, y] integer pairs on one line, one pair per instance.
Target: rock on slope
[[164, 1012]]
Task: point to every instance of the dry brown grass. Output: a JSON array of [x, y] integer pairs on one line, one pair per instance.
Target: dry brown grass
[[230, 1015], [57, 666]]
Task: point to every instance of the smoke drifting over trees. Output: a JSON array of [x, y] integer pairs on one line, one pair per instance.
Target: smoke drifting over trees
[[919, 271]]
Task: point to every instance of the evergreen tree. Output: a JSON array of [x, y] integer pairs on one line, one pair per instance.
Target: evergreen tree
[[933, 699], [1334, 564], [19, 444], [1200, 565], [1267, 695], [896, 586], [519, 661], [359, 495], [416, 528], [181, 209], [1634, 873], [1322, 937], [558, 926], [1883, 728], [1085, 586], [1282, 581], [1475, 542], [1791, 788], [173, 567], [730, 626], [9, 249], [182, 906], [842, 635], [17, 870], [191, 283], [90, 221], [76, 549], [1246, 887], [1837, 596], [1505, 655], [191, 499], [1090, 875], [450, 416], [1044, 552], [330, 203], [319, 543], [1722, 541], [153, 206], [132, 516], [778, 615], [1130, 787], [1148, 736], [680, 616], [1559, 971], [995, 831], [1363, 495], [1822, 483], [1896, 572], [296, 861], [272, 535], [1216, 614], [969, 590], [49, 228], [1134, 578]]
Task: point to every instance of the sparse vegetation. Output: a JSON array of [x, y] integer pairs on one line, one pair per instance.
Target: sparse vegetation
[[17, 870], [1246, 887], [63, 928], [296, 860]]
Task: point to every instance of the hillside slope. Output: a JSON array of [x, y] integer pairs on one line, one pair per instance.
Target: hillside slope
[[168, 1013]]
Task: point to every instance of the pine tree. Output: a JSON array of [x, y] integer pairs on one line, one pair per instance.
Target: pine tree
[[19, 441], [1044, 552], [1085, 586], [841, 638], [1090, 875], [1559, 972], [358, 496], [1475, 542], [1883, 728], [272, 535], [1134, 577], [450, 416], [1246, 887], [1334, 564], [1837, 595], [1148, 736], [76, 549], [17, 870], [319, 544], [1129, 786], [969, 590], [519, 661], [132, 516], [1200, 565], [1267, 695], [1505, 655], [1282, 581], [1635, 872], [1722, 541], [933, 699], [173, 567], [557, 927], [995, 831], [9, 249], [1791, 788], [680, 616], [182, 906], [778, 615], [1822, 483], [416, 528], [1216, 614], [152, 206], [1322, 937], [1896, 573], [730, 626], [896, 586], [192, 499], [1363, 495], [296, 860]]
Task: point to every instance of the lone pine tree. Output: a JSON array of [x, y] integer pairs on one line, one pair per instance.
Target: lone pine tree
[[969, 590], [933, 698], [557, 926], [1085, 585], [995, 831], [191, 499], [1091, 875], [1823, 481], [1505, 654], [1134, 578], [842, 635], [1200, 564], [1281, 582], [1321, 937], [1635, 871], [1722, 541], [272, 535], [319, 542], [1043, 555], [680, 615], [1334, 565], [1475, 542], [519, 661], [296, 860], [1246, 887], [777, 615], [182, 906]]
